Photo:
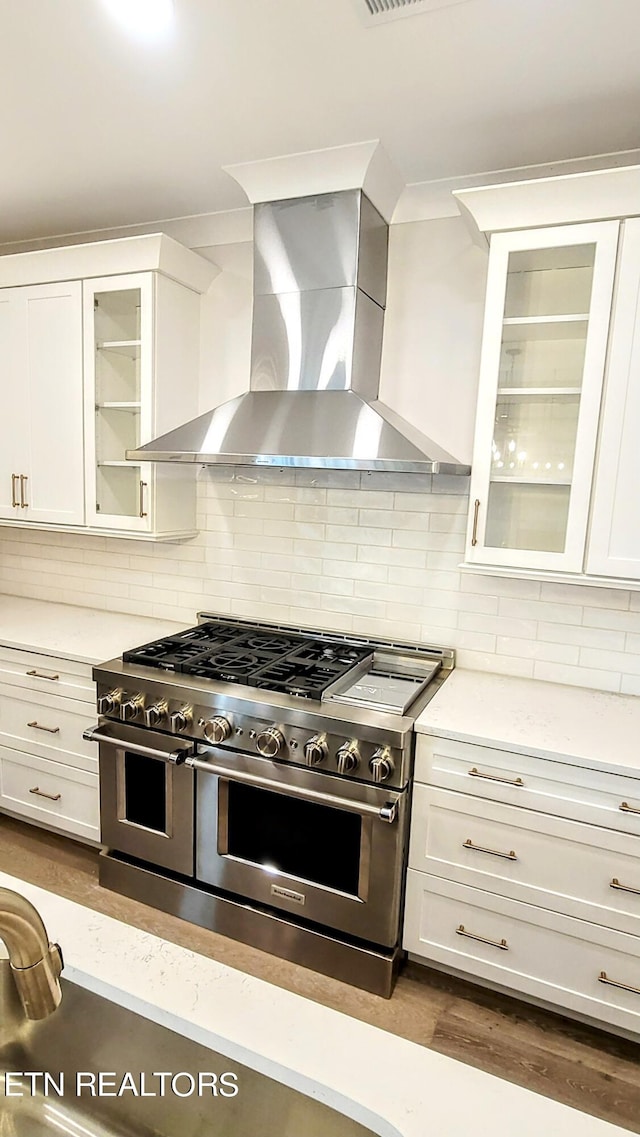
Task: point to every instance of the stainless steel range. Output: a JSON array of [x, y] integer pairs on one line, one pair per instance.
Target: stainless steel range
[[254, 779]]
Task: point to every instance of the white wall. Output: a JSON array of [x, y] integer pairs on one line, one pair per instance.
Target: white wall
[[375, 553], [433, 329]]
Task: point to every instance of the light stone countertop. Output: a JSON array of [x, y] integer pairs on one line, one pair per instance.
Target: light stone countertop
[[395, 1087], [87, 635], [575, 724]]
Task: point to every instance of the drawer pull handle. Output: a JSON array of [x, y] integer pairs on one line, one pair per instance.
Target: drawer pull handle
[[462, 931], [468, 844], [474, 773], [41, 675], [14, 500], [615, 883], [41, 793], [24, 478], [49, 729], [626, 808], [604, 978]]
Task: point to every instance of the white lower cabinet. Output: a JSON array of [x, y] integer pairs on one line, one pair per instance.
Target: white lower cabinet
[[58, 796], [524, 873], [580, 967], [571, 868], [48, 771]]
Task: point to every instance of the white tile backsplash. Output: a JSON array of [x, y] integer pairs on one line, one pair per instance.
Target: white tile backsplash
[[371, 554]]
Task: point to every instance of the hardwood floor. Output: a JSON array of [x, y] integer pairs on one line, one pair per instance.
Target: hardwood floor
[[582, 1067]]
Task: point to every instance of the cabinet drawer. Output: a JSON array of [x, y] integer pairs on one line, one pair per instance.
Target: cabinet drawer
[[51, 793], [48, 726], [47, 673], [571, 963], [572, 868], [610, 800]]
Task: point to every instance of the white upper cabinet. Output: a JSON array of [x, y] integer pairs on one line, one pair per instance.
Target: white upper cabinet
[[614, 544], [70, 411], [141, 348], [41, 435], [543, 357], [557, 451]]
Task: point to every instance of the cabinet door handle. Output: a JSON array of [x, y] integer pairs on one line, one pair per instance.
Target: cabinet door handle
[[468, 844], [14, 492], [626, 808], [143, 486], [615, 883], [462, 931], [41, 675], [476, 510], [41, 793], [474, 773], [49, 729], [604, 978], [24, 504]]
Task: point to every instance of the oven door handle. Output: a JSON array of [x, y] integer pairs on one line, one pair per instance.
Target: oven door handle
[[387, 812], [175, 757]]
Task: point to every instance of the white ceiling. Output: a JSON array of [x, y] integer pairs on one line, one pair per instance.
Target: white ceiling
[[98, 129]]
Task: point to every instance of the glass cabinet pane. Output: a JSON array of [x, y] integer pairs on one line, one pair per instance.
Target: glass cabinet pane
[[534, 437], [547, 354], [524, 516], [542, 354], [117, 347], [550, 282]]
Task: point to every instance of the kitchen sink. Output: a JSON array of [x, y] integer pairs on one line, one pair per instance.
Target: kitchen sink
[[90, 1035]]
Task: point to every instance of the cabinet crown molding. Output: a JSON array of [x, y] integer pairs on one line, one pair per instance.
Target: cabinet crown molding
[[594, 195], [151, 252]]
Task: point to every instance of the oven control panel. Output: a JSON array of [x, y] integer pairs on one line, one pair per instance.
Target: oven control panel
[[334, 751]]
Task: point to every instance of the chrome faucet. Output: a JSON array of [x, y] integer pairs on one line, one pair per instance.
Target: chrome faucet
[[35, 963]]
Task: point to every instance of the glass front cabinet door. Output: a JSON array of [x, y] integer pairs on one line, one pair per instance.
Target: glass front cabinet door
[[120, 319], [547, 317], [140, 331]]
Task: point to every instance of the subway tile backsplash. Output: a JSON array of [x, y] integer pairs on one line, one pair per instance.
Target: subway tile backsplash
[[373, 554]]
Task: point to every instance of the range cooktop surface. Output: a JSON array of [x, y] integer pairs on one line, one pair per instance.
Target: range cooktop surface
[[303, 666]]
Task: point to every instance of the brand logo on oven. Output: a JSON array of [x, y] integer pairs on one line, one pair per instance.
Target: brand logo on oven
[[287, 894]]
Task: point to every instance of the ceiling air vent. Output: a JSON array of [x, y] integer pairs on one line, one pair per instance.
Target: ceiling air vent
[[379, 11]]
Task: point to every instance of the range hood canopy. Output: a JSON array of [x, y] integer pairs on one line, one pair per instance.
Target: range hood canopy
[[320, 276]]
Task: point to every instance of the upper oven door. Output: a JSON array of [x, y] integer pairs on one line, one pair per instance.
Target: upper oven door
[[146, 795], [317, 846]]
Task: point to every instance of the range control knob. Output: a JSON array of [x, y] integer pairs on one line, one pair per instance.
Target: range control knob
[[381, 765], [154, 714], [348, 757], [107, 704], [130, 707], [181, 719], [316, 750], [269, 742], [217, 729]]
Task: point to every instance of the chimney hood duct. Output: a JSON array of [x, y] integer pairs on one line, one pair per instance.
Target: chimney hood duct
[[320, 281]]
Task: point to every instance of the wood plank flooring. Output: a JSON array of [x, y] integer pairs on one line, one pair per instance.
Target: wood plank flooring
[[544, 1052]]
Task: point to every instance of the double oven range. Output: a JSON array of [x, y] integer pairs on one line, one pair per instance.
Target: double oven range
[[254, 779]]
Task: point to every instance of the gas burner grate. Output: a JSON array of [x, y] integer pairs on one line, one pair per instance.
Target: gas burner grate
[[230, 664], [272, 645], [169, 655], [331, 654]]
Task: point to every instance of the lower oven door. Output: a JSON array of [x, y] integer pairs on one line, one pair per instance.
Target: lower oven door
[[146, 795], [320, 847]]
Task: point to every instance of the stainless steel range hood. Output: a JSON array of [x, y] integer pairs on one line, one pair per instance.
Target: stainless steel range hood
[[320, 281]]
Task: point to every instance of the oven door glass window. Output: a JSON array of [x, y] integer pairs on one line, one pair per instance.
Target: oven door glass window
[[145, 792], [316, 843]]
